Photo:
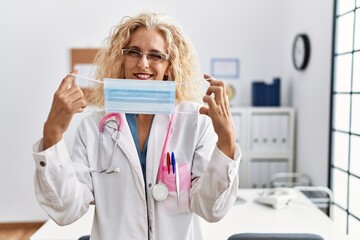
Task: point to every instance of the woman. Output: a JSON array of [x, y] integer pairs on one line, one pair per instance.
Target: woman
[[147, 47]]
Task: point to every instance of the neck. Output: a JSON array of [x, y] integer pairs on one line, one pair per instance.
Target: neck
[[144, 116]]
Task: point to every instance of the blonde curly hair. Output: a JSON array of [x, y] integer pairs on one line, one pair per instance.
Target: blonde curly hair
[[184, 67]]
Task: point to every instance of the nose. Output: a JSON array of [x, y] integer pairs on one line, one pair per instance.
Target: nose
[[143, 62]]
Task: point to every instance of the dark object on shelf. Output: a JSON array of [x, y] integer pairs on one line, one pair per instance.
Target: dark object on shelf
[[266, 94]]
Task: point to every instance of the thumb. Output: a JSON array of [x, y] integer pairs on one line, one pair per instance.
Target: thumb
[[68, 81]]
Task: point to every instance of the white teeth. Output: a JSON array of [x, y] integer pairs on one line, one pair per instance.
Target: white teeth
[[143, 75]]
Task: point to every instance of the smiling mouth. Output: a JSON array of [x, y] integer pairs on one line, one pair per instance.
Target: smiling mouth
[[143, 76]]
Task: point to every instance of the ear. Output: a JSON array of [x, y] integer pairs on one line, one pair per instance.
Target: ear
[[167, 72]]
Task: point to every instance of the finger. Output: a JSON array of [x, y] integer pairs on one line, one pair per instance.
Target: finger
[[71, 94], [227, 103], [218, 93], [208, 77], [204, 110], [214, 82], [69, 103], [75, 91], [219, 84], [74, 107], [222, 84], [67, 81], [80, 110], [79, 104], [210, 101], [214, 89], [76, 97]]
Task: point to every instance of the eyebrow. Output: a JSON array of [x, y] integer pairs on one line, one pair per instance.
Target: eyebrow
[[139, 49]]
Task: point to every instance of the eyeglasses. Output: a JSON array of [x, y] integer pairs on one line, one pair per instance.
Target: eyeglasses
[[154, 57]]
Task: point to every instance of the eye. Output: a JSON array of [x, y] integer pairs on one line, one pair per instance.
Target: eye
[[154, 56], [134, 53]]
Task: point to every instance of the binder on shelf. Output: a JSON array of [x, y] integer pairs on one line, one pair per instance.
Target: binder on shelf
[[258, 93], [274, 132], [238, 129], [277, 166], [254, 179], [256, 133], [260, 173], [262, 159], [266, 94], [274, 89], [264, 173], [265, 121], [284, 132]]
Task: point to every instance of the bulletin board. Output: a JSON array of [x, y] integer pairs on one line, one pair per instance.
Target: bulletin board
[[82, 59], [82, 56]]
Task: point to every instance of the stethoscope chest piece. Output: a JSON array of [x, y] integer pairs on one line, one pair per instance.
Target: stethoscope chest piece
[[160, 192]]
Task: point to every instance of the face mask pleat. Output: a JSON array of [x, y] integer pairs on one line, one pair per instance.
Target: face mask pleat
[[137, 96]]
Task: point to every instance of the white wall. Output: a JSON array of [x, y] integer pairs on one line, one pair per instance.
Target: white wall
[[36, 37], [311, 89]]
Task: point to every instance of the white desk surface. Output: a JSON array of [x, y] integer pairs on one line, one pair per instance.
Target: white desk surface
[[301, 216]]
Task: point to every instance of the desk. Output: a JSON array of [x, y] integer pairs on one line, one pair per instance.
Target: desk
[[301, 216]]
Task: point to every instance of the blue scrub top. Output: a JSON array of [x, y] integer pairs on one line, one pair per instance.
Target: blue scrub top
[[131, 119]]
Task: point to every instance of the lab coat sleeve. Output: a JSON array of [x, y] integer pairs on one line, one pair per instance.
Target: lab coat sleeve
[[215, 181], [62, 187]]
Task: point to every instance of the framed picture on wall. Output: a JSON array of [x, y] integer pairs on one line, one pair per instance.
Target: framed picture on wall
[[225, 68]]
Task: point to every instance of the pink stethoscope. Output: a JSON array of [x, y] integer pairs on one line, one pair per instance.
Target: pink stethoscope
[[102, 125], [160, 190]]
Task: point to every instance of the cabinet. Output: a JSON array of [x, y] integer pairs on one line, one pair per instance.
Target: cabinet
[[266, 136]]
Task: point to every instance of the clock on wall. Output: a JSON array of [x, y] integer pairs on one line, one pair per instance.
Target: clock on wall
[[301, 51]]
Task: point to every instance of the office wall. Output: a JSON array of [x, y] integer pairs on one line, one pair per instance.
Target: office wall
[[34, 57], [311, 88]]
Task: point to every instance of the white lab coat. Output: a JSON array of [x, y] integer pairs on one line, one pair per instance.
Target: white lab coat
[[65, 186]]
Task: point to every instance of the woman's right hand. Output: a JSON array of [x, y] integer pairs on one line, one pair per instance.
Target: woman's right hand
[[68, 100]]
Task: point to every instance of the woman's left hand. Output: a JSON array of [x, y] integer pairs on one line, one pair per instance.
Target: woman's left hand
[[219, 111]]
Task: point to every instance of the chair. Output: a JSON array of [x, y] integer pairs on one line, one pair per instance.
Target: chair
[[87, 237], [289, 179], [321, 196], [275, 236]]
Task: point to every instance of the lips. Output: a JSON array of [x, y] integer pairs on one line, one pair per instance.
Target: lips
[[143, 76]]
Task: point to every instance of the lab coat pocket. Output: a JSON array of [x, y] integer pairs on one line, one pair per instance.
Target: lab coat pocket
[[171, 205]]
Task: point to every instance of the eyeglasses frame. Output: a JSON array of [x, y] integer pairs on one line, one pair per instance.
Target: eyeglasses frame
[[164, 56]]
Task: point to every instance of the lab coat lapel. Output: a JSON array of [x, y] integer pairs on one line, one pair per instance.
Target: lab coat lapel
[[155, 144], [127, 145]]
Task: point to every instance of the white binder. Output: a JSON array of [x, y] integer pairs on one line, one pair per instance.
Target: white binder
[[254, 166], [238, 130], [266, 132], [256, 138], [284, 132], [274, 136]]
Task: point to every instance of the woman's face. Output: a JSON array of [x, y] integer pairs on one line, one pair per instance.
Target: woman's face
[[146, 68]]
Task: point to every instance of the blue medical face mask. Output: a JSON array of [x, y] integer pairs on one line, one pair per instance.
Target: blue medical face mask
[[139, 96]]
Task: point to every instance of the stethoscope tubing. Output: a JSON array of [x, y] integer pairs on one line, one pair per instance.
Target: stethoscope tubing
[[102, 126]]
